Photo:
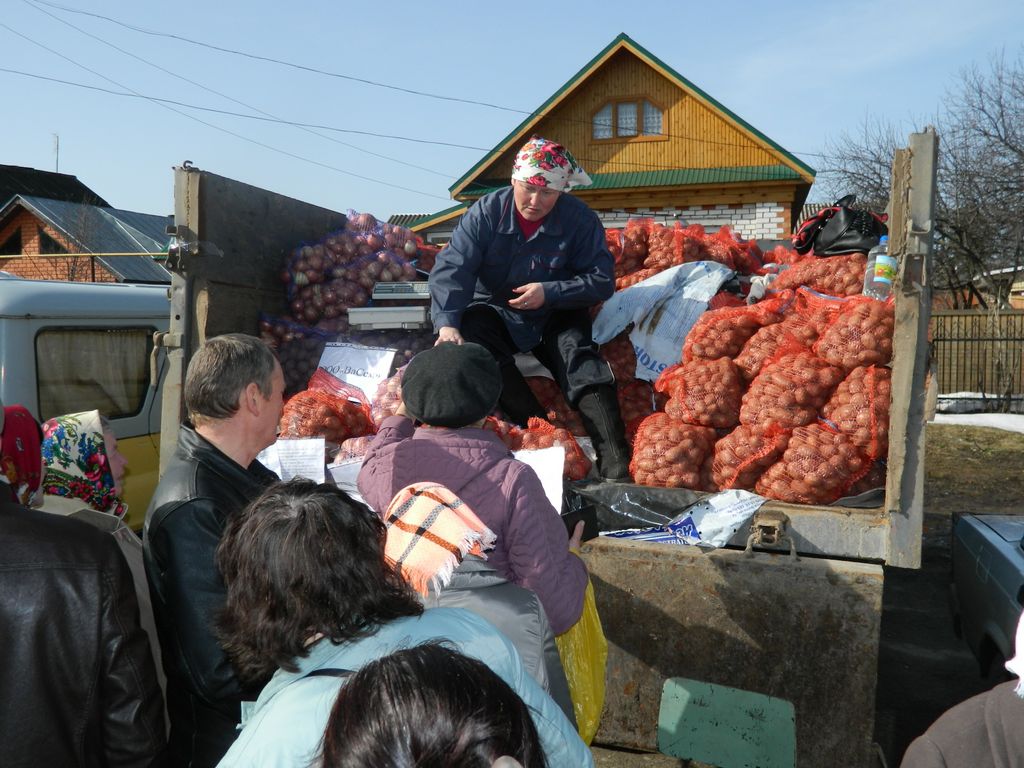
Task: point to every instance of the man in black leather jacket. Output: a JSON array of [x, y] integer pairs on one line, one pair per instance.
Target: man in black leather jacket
[[78, 686], [233, 397]]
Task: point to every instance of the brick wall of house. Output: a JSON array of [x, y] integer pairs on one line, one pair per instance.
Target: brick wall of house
[[33, 265], [752, 221]]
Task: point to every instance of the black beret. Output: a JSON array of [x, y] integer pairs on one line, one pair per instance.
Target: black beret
[[451, 385]]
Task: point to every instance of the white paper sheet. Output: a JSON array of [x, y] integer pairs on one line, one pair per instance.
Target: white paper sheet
[[299, 457], [355, 364], [344, 475], [548, 463]]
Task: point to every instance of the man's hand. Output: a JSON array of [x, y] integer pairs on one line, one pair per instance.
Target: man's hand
[[531, 296], [577, 536], [448, 333]]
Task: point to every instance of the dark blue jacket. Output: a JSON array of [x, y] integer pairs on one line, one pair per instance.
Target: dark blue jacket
[[488, 257]]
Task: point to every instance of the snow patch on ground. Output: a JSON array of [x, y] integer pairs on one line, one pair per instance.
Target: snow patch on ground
[[1014, 422]]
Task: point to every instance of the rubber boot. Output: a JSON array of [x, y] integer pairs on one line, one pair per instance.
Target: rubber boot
[[599, 409], [517, 400]]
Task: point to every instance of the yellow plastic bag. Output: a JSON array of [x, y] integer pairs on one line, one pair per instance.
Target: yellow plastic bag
[[584, 652]]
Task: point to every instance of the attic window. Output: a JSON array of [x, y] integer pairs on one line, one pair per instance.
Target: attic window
[[12, 245], [48, 245], [628, 119]]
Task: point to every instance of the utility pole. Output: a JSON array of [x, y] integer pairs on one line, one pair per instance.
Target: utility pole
[[56, 152]]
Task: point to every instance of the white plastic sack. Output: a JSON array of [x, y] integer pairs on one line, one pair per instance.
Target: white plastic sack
[[662, 309]]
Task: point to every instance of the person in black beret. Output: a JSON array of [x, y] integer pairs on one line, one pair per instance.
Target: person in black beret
[[451, 385], [436, 437]]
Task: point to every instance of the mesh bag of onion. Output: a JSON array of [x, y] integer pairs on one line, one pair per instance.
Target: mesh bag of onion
[[703, 392], [298, 349], [819, 466], [329, 408], [670, 454], [859, 334], [803, 321], [790, 389], [745, 453], [835, 275], [860, 408]]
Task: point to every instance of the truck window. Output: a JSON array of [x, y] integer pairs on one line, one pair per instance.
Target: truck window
[[79, 369]]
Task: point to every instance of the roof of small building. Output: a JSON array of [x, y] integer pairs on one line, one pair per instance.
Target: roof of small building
[[19, 180], [104, 230]]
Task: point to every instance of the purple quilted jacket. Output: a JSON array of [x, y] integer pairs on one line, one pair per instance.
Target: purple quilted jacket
[[532, 547]]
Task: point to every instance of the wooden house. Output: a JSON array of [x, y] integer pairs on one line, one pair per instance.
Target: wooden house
[[655, 145]]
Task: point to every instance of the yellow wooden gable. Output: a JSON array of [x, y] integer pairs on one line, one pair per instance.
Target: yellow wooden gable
[[703, 152]]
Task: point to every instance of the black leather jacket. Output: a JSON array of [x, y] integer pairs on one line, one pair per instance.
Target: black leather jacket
[[200, 489], [78, 686]]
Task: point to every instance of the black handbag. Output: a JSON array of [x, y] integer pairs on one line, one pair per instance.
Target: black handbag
[[840, 229]]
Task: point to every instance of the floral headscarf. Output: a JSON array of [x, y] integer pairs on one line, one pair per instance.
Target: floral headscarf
[[76, 463], [545, 163]]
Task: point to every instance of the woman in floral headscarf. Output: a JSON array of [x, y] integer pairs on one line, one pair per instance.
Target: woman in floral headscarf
[[523, 267], [82, 465], [83, 477]]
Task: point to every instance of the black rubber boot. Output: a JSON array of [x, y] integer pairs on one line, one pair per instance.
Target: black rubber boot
[[599, 409], [517, 400]]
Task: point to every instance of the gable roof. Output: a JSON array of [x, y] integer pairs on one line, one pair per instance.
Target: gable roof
[[105, 230], [624, 42], [18, 180]]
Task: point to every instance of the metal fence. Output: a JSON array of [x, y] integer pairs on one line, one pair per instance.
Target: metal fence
[[979, 359]]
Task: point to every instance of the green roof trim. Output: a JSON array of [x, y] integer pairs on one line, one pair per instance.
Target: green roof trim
[[672, 178], [430, 217], [622, 37]]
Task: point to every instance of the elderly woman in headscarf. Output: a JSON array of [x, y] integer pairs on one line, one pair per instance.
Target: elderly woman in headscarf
[[522, 269], [83, 477], [83, 467]]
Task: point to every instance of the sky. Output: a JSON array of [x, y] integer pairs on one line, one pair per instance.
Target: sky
[[802, 73]]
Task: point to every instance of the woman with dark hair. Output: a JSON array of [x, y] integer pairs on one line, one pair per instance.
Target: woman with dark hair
[[429, 707], [311, 595]]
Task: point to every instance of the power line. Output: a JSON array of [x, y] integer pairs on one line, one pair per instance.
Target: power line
[[166, 104], [228, 97], [412, 91]]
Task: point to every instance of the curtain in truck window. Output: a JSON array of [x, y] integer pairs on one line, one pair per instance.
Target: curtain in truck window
[[78, 369]]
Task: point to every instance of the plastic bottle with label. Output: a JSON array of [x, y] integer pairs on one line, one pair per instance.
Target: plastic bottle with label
[[880, 271]]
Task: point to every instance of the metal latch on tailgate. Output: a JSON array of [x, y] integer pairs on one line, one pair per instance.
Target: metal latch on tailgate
[[768, 529], [161, 340]]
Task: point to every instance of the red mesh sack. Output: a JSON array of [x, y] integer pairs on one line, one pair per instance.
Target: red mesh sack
[[749, 259], [724, 299], [780, 254], [353, 448], [859, 334], [634, 239], [803, 321], [723, 248], [705, 392], [541, 434], [819, 466], [551, 399], [860, 408], [723, 332], [506, 431], [692, 243], [670, 454], [388, 397], [637, 401], [634, 277], [326, 410], [664, 248], [744, 454], [621, 356], [790, 389], [835, 275]]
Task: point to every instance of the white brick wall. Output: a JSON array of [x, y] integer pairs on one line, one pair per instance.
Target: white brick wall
[[750, 221]]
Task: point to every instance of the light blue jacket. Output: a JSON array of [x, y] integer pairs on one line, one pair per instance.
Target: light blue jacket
[[286, 726]]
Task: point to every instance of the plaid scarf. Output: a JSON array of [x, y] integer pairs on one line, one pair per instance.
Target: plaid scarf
[[430, 531]]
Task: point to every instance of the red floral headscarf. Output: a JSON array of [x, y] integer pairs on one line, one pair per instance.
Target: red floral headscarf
[[20, 461], [545, 163]]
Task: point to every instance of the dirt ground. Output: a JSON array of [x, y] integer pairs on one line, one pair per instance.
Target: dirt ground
[[923, 668]]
